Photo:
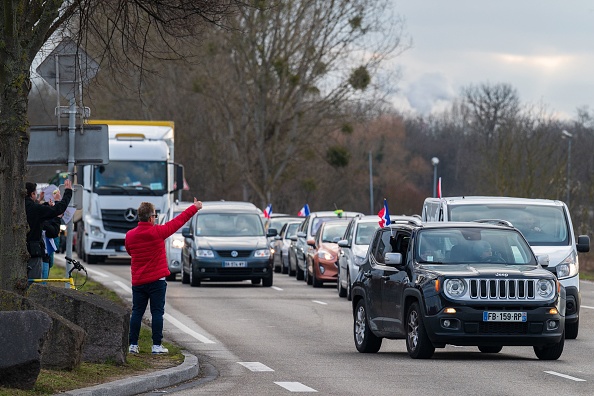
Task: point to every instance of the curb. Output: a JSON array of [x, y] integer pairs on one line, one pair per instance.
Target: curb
[[146, 382]]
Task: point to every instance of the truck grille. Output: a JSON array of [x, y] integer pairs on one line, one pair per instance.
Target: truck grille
[[502, 289], [115, 221]]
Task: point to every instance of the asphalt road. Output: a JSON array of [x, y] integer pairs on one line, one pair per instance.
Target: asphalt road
[[292, 338]]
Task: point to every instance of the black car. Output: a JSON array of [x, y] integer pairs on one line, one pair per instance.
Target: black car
[[226, 241], [472, 283]]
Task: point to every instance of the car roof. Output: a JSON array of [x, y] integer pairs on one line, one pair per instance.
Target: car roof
[[329, 213], [229, 206], [183, 205], [501, 200], [454, 224]]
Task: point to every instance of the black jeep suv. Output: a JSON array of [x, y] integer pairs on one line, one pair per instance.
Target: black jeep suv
[[475, 283]]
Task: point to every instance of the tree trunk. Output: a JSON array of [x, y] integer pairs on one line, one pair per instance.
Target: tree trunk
[[14, 144]]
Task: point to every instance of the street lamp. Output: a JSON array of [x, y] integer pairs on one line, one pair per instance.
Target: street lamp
[[569, 137], [434, 162]]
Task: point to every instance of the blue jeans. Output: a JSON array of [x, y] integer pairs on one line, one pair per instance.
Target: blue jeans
[[155, 292]]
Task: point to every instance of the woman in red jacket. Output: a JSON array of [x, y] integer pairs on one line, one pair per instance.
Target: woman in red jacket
[[146, 245]]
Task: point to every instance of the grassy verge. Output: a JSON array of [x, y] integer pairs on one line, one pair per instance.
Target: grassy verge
[[51, 382]]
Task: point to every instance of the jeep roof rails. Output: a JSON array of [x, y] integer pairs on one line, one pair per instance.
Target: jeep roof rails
[[406, 220], [495, 221]]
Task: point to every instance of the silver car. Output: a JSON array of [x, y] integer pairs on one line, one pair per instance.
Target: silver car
[[282, 243], [352, 251], [175, 243]]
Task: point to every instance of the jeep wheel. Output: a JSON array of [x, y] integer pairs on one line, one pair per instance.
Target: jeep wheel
[[194, 280], [417, 343], [490, 348], [365, 340], [571, 330], [551, 351]]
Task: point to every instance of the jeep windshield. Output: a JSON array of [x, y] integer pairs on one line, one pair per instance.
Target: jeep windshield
[[541, 225], [458, 245], [229, 225]]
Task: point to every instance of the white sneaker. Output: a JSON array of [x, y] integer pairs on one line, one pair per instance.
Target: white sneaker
[[133, 349], [160, 349]]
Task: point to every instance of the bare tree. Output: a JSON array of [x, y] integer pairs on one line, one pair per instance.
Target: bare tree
[[26, 26], [281, 77]]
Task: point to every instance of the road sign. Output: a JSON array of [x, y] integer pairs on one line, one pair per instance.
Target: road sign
[[48, 146]]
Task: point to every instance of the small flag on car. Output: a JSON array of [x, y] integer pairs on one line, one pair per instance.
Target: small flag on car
[[384, 215], [268, 211], [304, 211]]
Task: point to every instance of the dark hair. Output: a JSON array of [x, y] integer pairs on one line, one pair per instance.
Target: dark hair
[[145, 211], [31, 188]]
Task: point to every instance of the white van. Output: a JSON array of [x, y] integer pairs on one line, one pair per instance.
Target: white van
[[546, 225]]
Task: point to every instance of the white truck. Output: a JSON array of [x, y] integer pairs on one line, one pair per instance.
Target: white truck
[[140, 169]]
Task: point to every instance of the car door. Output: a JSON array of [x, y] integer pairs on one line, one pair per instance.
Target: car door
[[344, 253], [373, 275], [394, 281]]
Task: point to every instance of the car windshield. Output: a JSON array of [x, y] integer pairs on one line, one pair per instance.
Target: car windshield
[[334, 232], [318, 221], [291, 230], [472, 245], [541, 225], [130, 178], [229, 224], [365, 232]]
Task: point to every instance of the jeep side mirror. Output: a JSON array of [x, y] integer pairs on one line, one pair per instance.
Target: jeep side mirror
[[393, 259]]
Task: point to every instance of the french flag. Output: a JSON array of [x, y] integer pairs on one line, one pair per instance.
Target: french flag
[[384, 215], [304, 211], [268, 211]]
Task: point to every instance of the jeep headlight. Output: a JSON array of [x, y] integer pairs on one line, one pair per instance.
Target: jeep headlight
[[262, 253], [455, 288], [568, 267], [545, 288], [207, 253]]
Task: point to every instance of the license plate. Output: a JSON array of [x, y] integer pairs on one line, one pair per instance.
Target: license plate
[[490, 316], [233, 264]]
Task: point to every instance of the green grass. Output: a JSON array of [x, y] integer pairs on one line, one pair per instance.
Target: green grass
[[51, 382]]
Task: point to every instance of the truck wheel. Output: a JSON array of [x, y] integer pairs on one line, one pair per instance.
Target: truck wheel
[[551, 351], [490, 349], [365, 340], [92, 259], [417, 342], [571, 330]]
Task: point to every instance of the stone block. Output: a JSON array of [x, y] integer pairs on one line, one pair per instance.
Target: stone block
[[22, 335], [64, 346], [106, 323]]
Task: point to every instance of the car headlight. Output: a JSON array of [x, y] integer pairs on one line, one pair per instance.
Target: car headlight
[[262, 253], [568, 267], [177, 244], [455, 287], [204, 253], [545, 288], [325, 255], [359, 260]]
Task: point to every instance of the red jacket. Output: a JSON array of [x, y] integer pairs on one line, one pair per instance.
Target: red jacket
[[145, 244]]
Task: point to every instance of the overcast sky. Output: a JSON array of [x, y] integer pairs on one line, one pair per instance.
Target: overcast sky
[[543, 48]]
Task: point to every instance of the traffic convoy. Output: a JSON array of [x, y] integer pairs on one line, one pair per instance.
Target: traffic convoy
[[477, 271]]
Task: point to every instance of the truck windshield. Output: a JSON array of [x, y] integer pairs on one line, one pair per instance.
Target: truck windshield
[[541, 225], [130, 178]]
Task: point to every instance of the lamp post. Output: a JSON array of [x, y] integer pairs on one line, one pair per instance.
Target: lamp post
[[434, 162], [569, 137]]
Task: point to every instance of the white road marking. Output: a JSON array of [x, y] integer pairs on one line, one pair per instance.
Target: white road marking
[[586, 306], [295, 387], [319, 302], [187, 330], [255, 366], [565, 376], [95, 272], [277, 288], [124, 286]]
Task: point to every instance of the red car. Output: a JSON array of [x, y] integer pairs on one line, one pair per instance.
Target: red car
[[323, 263]]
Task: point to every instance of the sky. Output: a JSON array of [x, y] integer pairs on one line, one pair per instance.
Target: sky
[[542, 48]]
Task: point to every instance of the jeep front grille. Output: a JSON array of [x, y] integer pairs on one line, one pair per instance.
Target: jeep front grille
[[502, 289]]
